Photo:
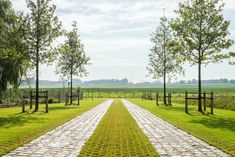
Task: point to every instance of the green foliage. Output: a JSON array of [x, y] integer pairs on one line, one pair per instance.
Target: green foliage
[[162, 59], [41, 28], [118, 135], [72, 57], [232, 55], [18, 128], [13, 48], [201, 34], [50, 101], [201, 31], [217, 130]]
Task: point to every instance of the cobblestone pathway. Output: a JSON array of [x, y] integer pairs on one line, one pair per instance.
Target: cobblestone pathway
[[67, 139], [169, 140]]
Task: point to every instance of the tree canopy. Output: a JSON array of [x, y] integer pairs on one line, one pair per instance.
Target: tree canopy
[[163, 62], [201, 34], [202, 31], [72, 57], [13, 48], [42, 27]]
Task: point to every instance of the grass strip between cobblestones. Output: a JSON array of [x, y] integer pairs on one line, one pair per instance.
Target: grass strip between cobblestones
[[118, 135], [18, 128], [217, 130]]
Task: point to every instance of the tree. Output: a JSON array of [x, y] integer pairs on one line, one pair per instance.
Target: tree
[[232, 55], [163, 61], [72, 59], [13, 48], [5, 10], [42, 27], [201, 34]]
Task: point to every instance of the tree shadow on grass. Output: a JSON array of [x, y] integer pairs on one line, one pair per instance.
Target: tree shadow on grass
[[51, 108], [216, 122], [191, 109], [205, 119], [63, 108], [174, 108], [19, 120]]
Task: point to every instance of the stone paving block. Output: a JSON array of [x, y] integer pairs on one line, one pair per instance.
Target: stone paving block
[[67, 139], [169, 140]]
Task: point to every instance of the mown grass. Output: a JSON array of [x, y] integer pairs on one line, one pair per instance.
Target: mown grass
[[118, 135], [218, 129], [17, 128]]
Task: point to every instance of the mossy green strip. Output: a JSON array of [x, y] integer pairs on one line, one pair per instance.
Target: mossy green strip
[[118, 135]]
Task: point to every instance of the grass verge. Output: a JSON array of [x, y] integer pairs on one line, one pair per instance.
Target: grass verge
[[118, 135], [218, 129], [17, 128]]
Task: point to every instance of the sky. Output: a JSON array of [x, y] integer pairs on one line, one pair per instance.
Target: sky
[[116, 35]]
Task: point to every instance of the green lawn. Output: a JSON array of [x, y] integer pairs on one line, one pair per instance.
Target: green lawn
[[118, 135], [218, 130], [17, 128]]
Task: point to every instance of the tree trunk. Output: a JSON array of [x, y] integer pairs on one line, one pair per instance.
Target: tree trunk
[[71, 90], [79, 96], [164, 87], [37, 82], [37, 59], [199, 87], [0, 96], [164, 72]]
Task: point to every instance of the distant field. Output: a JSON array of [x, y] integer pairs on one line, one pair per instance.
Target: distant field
[[224, 94], [171, 88]]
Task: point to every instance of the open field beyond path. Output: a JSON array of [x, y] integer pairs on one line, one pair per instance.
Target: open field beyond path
[[169, 140]]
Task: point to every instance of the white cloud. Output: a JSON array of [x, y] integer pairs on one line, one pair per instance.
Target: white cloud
[[19, 5], [229, 4], [116, 32]]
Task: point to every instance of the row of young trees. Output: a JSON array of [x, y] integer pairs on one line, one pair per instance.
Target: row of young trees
[[197, 35], [26, 42]]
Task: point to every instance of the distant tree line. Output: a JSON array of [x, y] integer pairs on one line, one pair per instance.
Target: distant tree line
[[214, 81], [125, 82], [79, 82], [107, 82]]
